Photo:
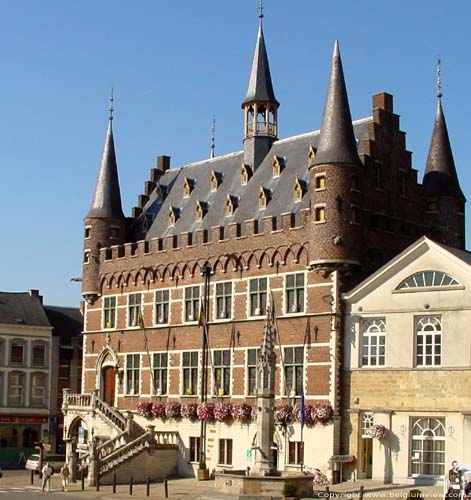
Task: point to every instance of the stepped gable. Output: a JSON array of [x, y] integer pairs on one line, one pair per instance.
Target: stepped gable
[[22, 308], [294, 149]]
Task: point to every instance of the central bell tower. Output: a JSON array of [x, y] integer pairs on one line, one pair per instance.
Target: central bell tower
[[260, 106]]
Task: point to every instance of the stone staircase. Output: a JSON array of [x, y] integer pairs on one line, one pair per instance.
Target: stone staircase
[[122, 451]]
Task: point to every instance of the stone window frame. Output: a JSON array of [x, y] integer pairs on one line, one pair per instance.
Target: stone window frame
[[160, 373], [257, 298], [320, 181], [298, 368], [109, 312], [423, 281], [191, 366], [300, 304], [427, 326], [221, 370], [215, 181], [191, 304], [3, 343], [251, 367], [18, 342], [320, 213], [278, 164], [225, 451], [194, 449], [32, 386], [427, 429], [87, 232], [295, 452], [245, 174], [22, 386], [226, 298], [298, 190], [134, 309], [165, 304], [354, 214], [373, 333], [45, 345], [132, 368]]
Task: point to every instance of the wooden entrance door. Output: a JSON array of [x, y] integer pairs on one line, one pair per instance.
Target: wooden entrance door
[[366, 459], [108, 384]]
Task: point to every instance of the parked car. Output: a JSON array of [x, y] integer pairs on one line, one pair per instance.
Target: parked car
[[54, 459]]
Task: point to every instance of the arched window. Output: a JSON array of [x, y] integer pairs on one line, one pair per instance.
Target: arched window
[[373, 342], [428, 333], [428, 446], [426, 279], [366, 424]]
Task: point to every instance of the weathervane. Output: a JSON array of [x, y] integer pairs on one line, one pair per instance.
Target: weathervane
[[439, 78], [111, 109], [213, 141], [260, 10]]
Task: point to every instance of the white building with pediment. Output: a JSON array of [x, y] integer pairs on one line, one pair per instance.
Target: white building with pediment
[[407, 366]]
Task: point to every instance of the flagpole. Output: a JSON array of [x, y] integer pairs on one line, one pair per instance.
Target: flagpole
[[302, 408]]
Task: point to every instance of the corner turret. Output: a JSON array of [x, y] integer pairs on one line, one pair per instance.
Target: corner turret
[[333, 172], [260, 107], [105, 224], [445, 202]]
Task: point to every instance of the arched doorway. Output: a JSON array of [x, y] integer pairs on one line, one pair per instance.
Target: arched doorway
[[108, 385]]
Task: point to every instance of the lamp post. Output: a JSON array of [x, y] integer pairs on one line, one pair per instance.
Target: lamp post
[[204, 361]]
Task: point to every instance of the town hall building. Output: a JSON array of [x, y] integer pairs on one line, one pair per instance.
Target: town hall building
[[177, 293]]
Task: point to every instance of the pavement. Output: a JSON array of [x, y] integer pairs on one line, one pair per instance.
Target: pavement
[[190, 489]]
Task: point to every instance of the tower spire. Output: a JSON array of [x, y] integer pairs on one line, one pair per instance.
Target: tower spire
[[260, 105], [107, 197], [337, 140], [440, 177], [213, 139]]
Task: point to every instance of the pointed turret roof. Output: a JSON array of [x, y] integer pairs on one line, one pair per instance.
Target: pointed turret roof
[[260, 85], [337, 141], [107, 198], [440, 177]]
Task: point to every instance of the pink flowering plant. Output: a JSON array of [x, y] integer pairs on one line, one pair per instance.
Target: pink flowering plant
[[241, 412], [222, 412], [284, 415], [205, 412], [159, 410], [322, 413], [378, 431], [172, 410], [144, 409], [189, 410]]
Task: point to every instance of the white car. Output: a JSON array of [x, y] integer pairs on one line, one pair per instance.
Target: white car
[[54, 459]]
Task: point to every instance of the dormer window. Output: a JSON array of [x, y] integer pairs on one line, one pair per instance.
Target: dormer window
[[188, 186], [245, 174], [278, 165], [264, 196], [201, 210], [216, 179], [299, 189], [231, 205], [173, 215], [312, 152]]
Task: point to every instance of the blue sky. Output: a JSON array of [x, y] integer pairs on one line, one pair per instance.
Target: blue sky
[[175, 63]]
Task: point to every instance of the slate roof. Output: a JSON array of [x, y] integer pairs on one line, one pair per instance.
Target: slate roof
[[107, 198], [67, 322], [440, 177], [260, 85], [337, 140], [20, 308], [295, 151]]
